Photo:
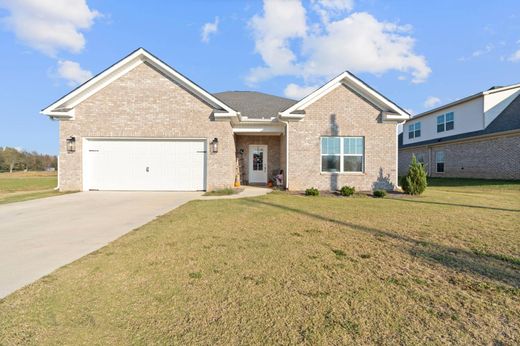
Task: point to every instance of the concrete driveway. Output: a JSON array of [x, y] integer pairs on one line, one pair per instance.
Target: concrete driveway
[[39, 236]]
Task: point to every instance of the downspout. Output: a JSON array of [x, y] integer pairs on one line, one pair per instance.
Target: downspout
[[58, 169], [397, 152], [286, 153]]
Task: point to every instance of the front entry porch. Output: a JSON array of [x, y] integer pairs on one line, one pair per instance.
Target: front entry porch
[[259, 157]]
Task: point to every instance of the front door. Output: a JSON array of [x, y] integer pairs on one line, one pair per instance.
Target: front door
[[258, 163]]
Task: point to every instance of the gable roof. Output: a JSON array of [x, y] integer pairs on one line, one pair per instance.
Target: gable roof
[[492, 90], [255, 105], [507, 120], [64, 107], [390, 110]]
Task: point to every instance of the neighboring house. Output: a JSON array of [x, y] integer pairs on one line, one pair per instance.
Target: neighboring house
[[141, 125], [475, 137]]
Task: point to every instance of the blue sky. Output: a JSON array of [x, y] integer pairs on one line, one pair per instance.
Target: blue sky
[[419, 55]]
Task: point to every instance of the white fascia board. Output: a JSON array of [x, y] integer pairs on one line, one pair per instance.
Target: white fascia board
[[394, 117], [312, 97], [351, 81], [121, 68], [259, 129], [291, 117], [94, 85], [61, 114], [497, 90], [257, 120], [188, 83]]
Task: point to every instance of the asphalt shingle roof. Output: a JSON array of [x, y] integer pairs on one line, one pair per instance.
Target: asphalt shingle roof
[[255, 105], [508, 120]]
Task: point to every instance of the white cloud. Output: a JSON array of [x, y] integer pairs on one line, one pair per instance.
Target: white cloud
[[515, 57], [357, 42], [298, 92], [49, 25], [281, 21], [72, 72], [431, 102], [209, 29], [488, 48], [328, 8], [361, 43]]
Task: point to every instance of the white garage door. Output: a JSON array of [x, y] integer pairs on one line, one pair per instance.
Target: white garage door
[[153, 165]]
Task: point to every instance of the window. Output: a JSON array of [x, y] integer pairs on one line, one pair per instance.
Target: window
[[439, 161], [342, 154], [353, 154], [414, 130], [450, 121], [446, 122], [420, 158], [330, 154]]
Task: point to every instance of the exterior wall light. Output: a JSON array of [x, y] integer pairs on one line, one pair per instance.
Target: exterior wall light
[[71, 144], [214, 145]]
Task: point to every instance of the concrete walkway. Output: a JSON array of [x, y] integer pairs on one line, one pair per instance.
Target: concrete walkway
[[39, 236]]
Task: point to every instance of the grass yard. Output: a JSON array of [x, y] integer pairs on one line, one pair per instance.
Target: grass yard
[[23, 186], [286, 269]]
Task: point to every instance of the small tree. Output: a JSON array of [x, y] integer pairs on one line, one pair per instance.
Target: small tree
[[414, 182]]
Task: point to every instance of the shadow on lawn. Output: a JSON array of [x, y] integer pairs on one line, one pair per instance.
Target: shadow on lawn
[[455, 205], [493, 266]]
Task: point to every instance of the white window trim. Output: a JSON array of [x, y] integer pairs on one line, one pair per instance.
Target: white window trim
[[342, 156]]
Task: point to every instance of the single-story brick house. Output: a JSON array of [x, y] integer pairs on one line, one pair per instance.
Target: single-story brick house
[[474, 137], [141, 125]]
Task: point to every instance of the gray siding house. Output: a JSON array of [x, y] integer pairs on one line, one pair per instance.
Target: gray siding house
[[476, 137]]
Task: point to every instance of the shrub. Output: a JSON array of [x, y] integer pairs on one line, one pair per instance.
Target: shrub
[[414, 182], [379, 193], [312, 192], [347, 190]]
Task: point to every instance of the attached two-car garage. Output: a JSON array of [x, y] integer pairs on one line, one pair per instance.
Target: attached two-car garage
[[144, 164]]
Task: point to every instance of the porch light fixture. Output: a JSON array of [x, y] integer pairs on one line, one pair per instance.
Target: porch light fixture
[[214, 145], [71, 144]]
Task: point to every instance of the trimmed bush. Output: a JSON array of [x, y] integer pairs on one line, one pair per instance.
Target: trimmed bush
[[347, 190], [312, 192], [414, 182], [379, 193]]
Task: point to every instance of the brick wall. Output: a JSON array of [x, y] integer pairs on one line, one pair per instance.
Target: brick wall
[[491, 158], [352, 116], [145, 103]]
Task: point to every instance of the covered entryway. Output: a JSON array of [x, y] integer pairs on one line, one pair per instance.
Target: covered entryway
[[144, 164]]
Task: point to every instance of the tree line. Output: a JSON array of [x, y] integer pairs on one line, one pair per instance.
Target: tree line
[[12, 159]]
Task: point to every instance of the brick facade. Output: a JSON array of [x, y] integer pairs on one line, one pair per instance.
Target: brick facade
[[342, 113], [145, 103], [496, 157]]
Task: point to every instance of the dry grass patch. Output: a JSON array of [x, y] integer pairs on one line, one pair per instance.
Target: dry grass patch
[[285, 269]]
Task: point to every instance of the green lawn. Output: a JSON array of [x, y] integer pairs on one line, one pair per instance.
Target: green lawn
[[286, 269], [22, 186]]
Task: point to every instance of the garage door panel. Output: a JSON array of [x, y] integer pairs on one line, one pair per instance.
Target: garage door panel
[[170, 165]]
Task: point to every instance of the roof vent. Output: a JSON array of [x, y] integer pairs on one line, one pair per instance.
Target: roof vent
[[495, 87]]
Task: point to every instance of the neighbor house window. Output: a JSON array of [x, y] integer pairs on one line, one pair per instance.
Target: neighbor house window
[[414, 130], [445, 122], [439, 161], [342, 154]]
